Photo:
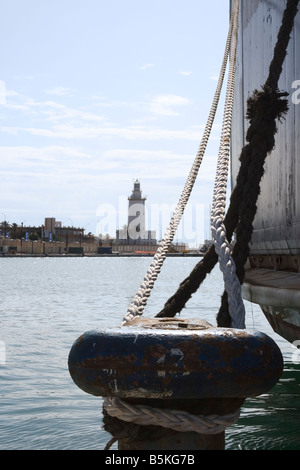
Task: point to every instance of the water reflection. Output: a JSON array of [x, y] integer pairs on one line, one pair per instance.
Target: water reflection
[[271, 421]]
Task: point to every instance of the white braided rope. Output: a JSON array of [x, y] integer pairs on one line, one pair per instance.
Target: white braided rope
[[139, 301], [222, 246], [172, 419]]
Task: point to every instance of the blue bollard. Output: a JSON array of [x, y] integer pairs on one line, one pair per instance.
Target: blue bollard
[[181, 362], [174, 360]]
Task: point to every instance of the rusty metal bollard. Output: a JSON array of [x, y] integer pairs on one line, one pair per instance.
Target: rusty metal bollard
[[186, 366]]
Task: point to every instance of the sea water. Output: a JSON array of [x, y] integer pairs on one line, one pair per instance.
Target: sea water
[[47, 303]]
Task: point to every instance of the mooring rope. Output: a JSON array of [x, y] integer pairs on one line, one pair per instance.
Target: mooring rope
[[222, 245], [261, 141], [139, 301], [178, 420]]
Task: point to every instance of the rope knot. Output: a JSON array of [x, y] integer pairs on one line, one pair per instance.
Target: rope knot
[[263, 107]]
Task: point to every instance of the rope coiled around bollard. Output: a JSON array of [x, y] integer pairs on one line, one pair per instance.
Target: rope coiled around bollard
[[177, 420]]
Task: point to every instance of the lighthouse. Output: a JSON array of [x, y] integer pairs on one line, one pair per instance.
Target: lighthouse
[[136, 213], [136, 232]]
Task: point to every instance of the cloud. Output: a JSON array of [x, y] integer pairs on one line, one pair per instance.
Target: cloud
[[52, 119], [165, 105], [147, 66], [31, 159], [19, 107], [23, 77], [63, 113], [60, 91], [51, 111], [185, 73], [147, 163], [53, 161], [76, 132]]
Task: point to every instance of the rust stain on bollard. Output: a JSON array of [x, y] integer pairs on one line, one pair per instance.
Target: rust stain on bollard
[[150, 357]]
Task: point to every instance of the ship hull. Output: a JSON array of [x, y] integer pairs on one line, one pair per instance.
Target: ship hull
[[275, 244], [278, 294]]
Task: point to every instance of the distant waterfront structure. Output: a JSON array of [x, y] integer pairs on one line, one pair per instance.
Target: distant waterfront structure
[[135, 232], [53, 229], [49, 229]]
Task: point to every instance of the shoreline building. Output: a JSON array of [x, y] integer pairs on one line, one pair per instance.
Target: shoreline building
[[135, 233], [54, 230]]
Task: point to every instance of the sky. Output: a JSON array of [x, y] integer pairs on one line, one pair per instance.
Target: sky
[[94, 94]]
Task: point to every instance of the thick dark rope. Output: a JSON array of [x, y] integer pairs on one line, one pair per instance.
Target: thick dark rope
[[266, 106], [263, 109]]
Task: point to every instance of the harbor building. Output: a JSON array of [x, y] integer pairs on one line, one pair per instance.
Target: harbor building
[[53, 229]]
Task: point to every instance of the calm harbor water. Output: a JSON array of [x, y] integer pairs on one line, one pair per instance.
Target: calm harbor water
[[46, 303]]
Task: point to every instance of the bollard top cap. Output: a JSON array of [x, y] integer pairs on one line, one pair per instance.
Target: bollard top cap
[[169, 323]]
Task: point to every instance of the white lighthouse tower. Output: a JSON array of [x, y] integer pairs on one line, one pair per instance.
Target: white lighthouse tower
[[136, 214], [135, 232]]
